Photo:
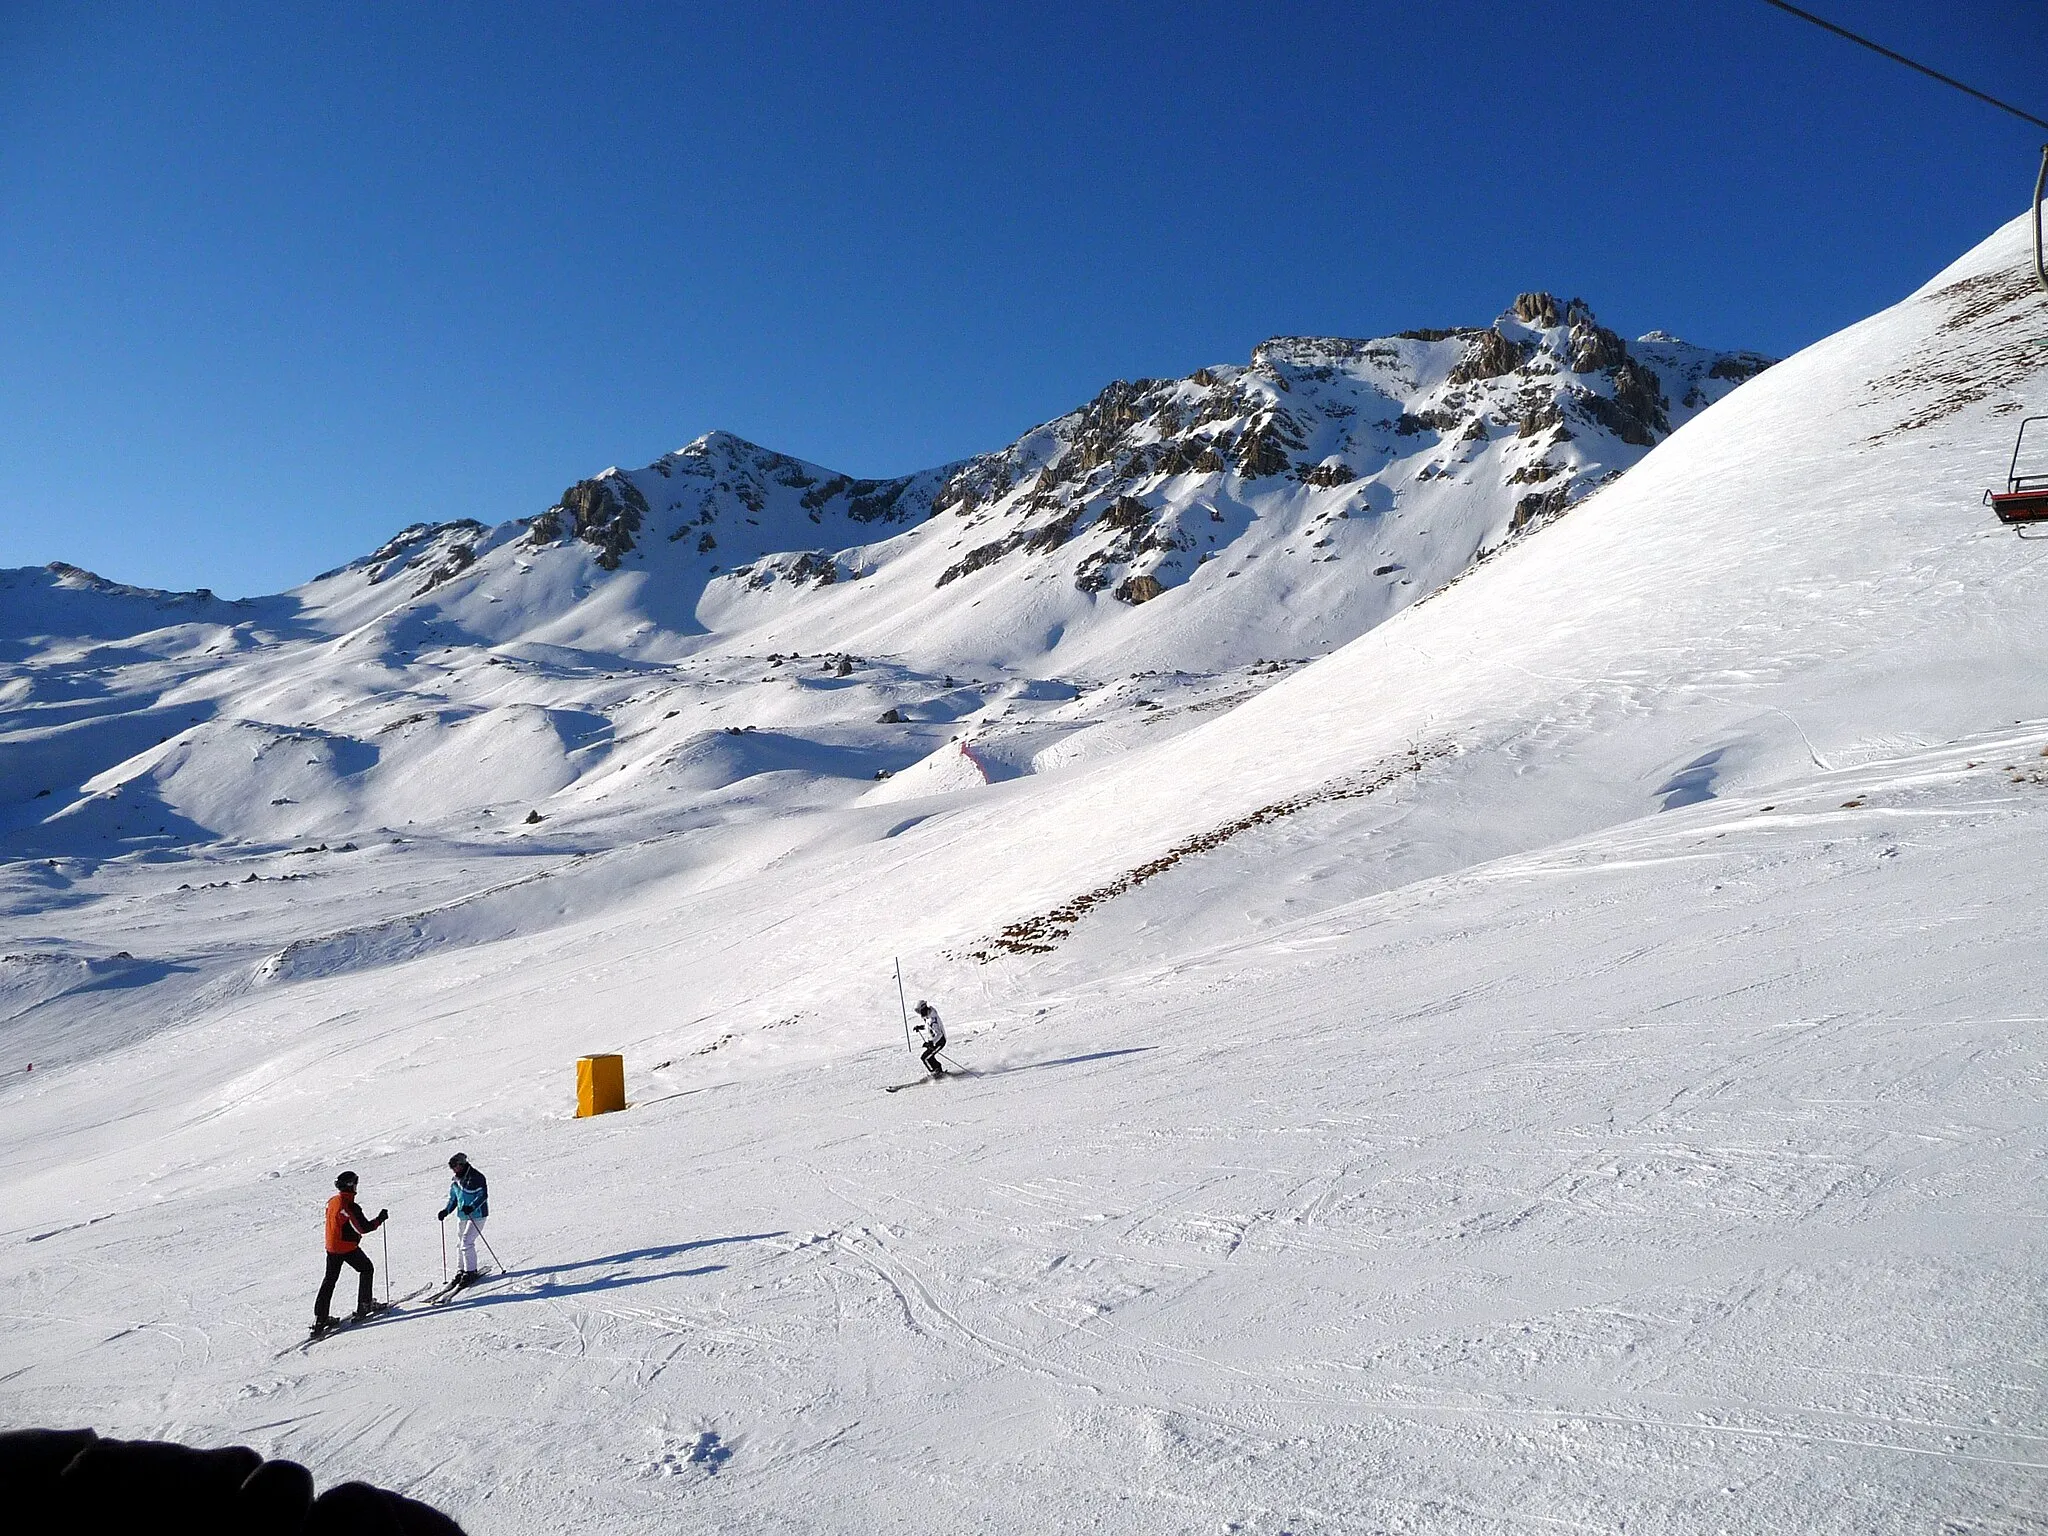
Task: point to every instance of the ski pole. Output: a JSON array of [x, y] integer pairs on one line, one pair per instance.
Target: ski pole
[[443, 1225], [493, 1253], [905, 1007], [387, 1265]]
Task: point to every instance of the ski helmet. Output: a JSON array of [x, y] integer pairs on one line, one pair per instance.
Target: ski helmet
[[345, 1181], [458, 1161], [923, 1006]]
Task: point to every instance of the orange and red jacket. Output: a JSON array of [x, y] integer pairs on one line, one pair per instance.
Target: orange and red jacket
[[346, 1224]]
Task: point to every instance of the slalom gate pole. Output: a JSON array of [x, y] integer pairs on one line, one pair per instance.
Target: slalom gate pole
[[905, 1007]]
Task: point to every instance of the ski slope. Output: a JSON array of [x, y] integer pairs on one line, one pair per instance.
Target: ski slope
[[1571, 1058]]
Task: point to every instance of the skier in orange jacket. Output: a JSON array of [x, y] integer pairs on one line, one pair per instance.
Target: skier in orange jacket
[[346, 1229]]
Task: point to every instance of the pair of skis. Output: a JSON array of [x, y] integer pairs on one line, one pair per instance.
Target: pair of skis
[[433, 1296], [919, 1082], [458, 1285], [334, 1325]]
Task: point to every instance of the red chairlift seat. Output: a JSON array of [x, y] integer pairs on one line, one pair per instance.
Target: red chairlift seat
[[2025, 497]]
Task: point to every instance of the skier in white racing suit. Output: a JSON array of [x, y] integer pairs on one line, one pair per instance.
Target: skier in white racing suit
[[932, 1034]]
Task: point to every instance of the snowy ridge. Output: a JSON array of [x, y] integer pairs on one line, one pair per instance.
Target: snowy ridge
[[1570, 1055]]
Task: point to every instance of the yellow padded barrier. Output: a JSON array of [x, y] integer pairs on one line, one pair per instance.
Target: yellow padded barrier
[[600, 1085]]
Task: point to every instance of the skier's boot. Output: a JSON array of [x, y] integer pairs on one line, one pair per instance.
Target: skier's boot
[[323, 1325]]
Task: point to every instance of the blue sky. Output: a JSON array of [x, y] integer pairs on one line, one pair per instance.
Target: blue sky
[[280, 280]]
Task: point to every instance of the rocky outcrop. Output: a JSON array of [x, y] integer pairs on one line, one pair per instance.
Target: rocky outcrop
[[1327, 475], [78, 577], [1539, 507], [1739, 366], [1635, 412], [806, 568], [1490, 355], [458, 559], [1594, 348], [867, 501], [980, 557], [604, 513], [1138, 589], [1637, 393], [1263, 448]]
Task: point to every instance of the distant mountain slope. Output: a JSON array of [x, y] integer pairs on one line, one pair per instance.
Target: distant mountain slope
[[1203, 529]]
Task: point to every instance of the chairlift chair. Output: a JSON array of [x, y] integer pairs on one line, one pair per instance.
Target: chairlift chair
[[2025, 497]]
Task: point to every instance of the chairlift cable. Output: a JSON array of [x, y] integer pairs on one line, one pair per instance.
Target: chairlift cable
[[1900, 58], [2040, 182], [2024, 501]]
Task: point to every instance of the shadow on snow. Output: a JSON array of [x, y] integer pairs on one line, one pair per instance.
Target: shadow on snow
[[549, 1287], [1064, 1061]]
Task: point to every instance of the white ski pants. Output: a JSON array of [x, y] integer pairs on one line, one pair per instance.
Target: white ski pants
[[469, 1229]]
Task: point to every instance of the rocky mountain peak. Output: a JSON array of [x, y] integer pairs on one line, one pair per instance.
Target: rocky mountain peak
[[1364, 471]]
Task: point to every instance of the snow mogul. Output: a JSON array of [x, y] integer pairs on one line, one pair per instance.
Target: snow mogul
[[469, 1201], [932, 1034], [347, 1226]]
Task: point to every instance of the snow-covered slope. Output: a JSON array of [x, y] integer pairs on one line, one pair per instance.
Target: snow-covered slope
[[1570, 1056]]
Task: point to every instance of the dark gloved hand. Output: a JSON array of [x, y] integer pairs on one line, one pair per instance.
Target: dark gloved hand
[[385, 1214], [440, 1216]]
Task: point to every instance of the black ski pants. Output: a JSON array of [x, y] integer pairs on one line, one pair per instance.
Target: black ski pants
[[356, 1260], [931, 1060]]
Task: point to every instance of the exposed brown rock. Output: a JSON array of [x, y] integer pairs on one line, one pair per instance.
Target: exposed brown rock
[[975, 559], [604, 513], [1741, 365], [1331, 472], [1594, 347], [1261, 451], [1539, 506], [1138, 589], [460, 558], [1636, 391], [1490, 355]]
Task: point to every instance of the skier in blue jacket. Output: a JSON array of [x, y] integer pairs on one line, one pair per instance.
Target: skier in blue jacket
[[469, 1200]]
